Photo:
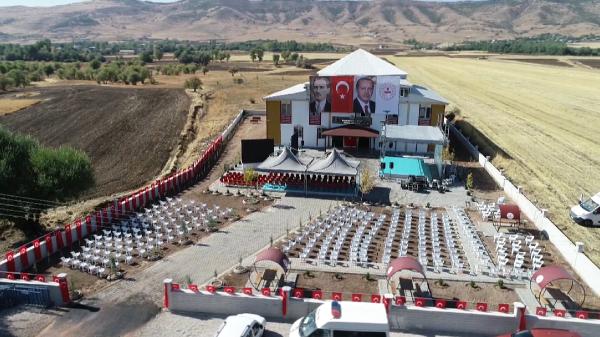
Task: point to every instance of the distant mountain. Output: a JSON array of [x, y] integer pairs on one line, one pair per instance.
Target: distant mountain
[[348, 22]]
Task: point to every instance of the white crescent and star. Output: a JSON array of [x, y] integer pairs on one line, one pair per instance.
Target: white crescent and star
[[344, 84]]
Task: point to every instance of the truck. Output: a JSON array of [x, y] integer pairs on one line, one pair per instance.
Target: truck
[[343, 319], [587, 212]]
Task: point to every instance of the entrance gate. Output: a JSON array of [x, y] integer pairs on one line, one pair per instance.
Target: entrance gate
[[13, 295]]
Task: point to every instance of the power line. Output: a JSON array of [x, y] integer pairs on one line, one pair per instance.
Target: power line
[[43, 201]]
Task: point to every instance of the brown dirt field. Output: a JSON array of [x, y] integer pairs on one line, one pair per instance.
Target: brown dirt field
[[548, 62], [8, 106], [350, 283], [485, 292], [128, 134], [594, 63]]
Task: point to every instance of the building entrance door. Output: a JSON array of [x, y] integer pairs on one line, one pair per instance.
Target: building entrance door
[[337, 142]]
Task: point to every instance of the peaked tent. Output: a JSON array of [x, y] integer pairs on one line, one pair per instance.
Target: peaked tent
[[334, 164], [286, 161]]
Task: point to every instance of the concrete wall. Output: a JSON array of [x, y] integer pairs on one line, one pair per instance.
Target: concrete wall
[[583, 266], [401, 318], [53, 288]]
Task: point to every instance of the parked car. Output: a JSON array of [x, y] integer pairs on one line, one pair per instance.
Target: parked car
[[343, 319], [587, 212], [543, 333], [242, 325]]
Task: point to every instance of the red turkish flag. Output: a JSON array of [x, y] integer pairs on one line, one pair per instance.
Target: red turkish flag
[[68, 234], [582, 314], [560, 312], [419, 302], [78, 229], [24, 258], [247, 291], [400, 300], [336, 296], [229, 290], [211, 289], [175, 287], [298, 293], [317, 294], [59, 239], [265, 291], [503, 308], [541, 311], [25, 277], [375, 298], [482, 307], [88, 224], [193, 288], [49, 245], [40, 278], [342, 93], [440, 304], [461, 305], [356, 297], [10, 276], [10, 261]]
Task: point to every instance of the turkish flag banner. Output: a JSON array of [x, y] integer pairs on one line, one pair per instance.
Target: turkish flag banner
[[375, 298], [88, 224], [581, 314], [342, 93], [481, 307], [336, 296], [400, 300], [247, 291], [317, 295], [211, 289], [462, 305], [356, 297], [25, 277], [560, 312], [40, 278], [10, 261], [114, 213], [78, 229], [440, 304], [265, 291], [59, 239], [229, 290], [193, 288], [24, 258], [419, 302], [298, 293], [503, 308], [68, 235], [10, 276], [541, 311], [37, 250], [175, 287]]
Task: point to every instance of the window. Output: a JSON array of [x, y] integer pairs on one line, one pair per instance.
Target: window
[[382, 166], [391, 145], [424, 112], [404, 92], [391, 165], [286, 112], [299, 130]]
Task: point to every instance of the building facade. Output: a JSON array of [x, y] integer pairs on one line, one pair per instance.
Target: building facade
[[347, 103]]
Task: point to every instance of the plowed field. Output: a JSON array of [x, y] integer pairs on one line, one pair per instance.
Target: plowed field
[[128, 133]]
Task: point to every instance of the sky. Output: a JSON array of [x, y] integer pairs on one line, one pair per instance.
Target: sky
[[47, 3]]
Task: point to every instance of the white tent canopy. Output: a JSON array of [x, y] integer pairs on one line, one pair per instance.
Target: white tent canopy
[[361, 62], [335, 164], [286, 161]]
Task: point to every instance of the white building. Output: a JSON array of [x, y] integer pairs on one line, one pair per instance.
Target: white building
[[291, 113]]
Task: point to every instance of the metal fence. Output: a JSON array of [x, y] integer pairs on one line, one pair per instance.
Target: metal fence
[[13, 295]]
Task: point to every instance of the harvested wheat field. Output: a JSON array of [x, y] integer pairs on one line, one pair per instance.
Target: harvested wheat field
[[128, 133], [10, 105], [545, 118]]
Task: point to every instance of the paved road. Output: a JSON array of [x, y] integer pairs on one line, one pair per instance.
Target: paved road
[[127, 305]]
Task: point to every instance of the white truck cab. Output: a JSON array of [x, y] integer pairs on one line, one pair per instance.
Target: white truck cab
[[343, 319], [587, 212]]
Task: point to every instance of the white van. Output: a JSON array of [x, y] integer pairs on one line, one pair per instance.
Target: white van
[[343, 319], [587, 212]]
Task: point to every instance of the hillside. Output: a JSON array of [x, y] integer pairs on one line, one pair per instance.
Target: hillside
[[348, 22]]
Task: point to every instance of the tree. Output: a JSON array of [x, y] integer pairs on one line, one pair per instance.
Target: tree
[[95, 64], [367, 182], [158, 54], [193, 83], [227, 57], [259, 54], [5, 82], [18, 77], [204, 70], [285, 55], [233, 70], [146, 57], [253, 55], [469, 183], [276, 59]]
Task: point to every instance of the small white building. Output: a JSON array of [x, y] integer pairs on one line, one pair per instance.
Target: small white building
[[297, 118]]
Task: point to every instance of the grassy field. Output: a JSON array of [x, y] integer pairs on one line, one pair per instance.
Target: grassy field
[[546, 118], [9, 105]]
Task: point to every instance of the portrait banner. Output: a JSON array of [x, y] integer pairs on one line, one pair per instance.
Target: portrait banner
[[364, 103], [320, 98], [342, 93], [387, 94]]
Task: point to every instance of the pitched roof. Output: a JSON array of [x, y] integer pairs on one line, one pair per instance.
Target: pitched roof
[[361, 62], [426, 95], [286, 161], [335, 163], [296, 92]]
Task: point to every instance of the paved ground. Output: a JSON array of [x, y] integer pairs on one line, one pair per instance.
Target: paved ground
[[169, 324]]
